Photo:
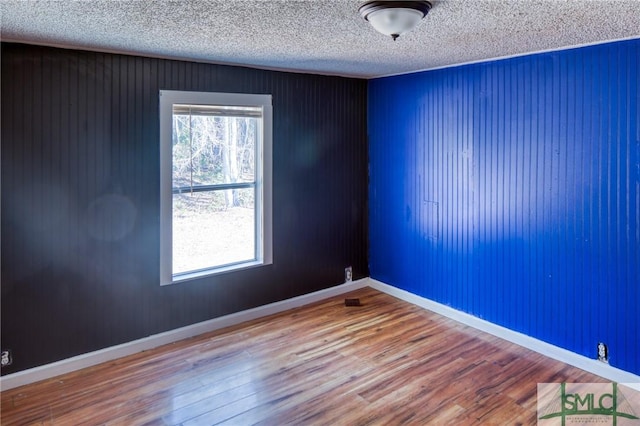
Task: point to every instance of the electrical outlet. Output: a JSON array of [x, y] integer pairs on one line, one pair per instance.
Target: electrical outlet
[[6, 358], [348, 274], [603, 353]]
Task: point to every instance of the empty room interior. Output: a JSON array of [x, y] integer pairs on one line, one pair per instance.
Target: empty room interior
[[307, 212]]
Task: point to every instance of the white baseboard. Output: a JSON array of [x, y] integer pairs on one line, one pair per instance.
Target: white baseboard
[[591, 365], [48, 371]]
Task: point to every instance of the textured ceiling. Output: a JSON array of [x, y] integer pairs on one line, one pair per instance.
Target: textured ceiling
[[318, 36]]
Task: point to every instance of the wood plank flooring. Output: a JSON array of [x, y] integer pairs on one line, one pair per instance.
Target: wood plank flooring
[[386, 362]]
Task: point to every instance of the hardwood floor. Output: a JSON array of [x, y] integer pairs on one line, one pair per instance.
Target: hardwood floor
[[386, 362]]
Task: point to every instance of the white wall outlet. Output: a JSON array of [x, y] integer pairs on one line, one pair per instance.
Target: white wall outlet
[[6, 358], [348, 274], [603, 353]]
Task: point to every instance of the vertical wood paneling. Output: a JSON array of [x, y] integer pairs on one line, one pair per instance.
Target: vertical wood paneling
[[534, 165], [80, 197]]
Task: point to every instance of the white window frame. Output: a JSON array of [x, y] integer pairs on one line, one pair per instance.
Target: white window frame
[[263, 232]]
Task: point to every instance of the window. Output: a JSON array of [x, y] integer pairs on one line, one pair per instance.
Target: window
[[215, 182]]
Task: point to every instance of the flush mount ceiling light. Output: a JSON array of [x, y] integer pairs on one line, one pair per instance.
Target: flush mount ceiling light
[[394, 18]]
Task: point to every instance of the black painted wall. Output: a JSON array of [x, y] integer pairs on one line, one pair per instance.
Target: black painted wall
[[80, 197]]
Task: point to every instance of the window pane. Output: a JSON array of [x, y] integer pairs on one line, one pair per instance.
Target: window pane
[[209, 141], [210, 150], [213, 228]]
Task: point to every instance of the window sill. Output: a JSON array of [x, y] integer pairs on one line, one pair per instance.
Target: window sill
[[190, 276]]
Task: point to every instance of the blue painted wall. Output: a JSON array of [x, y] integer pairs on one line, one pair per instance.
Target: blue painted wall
[[510, 190]]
